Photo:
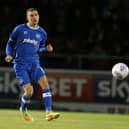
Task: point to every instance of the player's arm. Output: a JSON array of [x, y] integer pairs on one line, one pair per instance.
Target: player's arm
[[9, 51], [10, 46], [48, 48], [43, 47]]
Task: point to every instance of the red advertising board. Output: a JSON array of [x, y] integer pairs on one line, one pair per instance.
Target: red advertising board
[[69, 86]]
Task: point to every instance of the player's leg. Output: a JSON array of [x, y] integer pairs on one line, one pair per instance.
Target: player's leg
[[25, 99], [40, 77], [24, 81], [47, 99], [46, 93]]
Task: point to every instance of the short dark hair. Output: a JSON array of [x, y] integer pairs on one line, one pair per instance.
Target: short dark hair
[[30, 10]]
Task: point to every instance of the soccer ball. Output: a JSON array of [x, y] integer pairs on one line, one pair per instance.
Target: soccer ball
[[120, 71]]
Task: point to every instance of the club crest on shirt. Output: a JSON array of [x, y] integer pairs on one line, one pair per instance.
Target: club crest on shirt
[[38, 36]]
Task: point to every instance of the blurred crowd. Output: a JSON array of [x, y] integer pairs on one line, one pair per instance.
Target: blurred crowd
[[88, 27]]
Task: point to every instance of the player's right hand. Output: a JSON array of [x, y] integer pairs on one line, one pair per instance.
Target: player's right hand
[[8, 59], [49, 48]]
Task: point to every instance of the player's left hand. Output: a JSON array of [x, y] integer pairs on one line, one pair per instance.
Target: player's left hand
[[49, 48]]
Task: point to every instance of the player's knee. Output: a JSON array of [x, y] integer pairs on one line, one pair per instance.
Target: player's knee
[[28, 91], [43, 83], [29, 94]]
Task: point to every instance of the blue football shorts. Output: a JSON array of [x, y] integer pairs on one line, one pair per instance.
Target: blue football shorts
[[28, 73]]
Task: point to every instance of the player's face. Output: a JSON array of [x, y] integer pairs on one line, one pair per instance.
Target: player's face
[[33, 18]]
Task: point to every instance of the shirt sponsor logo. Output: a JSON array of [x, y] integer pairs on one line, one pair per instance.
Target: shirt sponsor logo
[[31, 41]]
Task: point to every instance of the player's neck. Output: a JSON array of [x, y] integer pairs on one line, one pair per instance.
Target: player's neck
[[33, 26]]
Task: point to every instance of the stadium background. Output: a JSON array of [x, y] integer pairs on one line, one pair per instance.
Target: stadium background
[[89, 37]]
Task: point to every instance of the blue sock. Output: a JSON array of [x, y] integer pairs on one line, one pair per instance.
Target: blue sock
[[47, 99], [24, 101]]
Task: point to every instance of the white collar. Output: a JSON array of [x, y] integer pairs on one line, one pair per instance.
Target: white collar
[[33, 28]]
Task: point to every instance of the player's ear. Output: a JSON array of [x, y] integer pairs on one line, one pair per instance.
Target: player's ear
[[26, 16]]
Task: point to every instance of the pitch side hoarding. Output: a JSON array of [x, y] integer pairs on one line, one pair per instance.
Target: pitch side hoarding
[[109, 90], [72, 86]]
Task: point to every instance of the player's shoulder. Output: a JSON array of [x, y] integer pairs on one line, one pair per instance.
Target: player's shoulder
[[42, 30], [18, 27]]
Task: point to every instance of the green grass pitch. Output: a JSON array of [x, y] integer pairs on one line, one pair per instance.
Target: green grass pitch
[[12, 119]]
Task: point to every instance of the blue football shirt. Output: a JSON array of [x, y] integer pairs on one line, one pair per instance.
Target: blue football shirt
[[25, 42]]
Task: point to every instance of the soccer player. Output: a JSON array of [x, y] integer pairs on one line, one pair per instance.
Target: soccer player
[[22, 48]]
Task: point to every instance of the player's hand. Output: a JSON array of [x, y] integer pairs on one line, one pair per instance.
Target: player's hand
[[8, 59], [49, 48]]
